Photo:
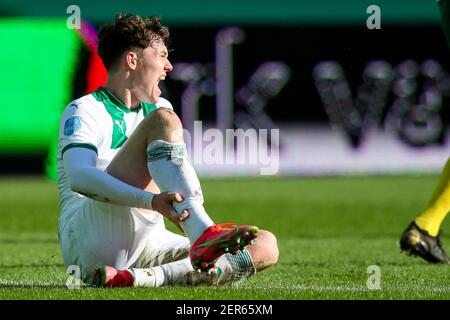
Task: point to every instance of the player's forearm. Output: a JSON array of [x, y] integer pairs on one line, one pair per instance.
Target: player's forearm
[[85, 179], [100, 186]]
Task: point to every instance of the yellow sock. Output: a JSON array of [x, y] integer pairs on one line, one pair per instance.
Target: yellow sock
[[431, 218]]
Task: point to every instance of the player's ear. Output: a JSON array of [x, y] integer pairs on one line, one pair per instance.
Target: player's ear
[[131, 59]]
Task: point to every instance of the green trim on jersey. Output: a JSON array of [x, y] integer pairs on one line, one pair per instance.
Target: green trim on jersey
[[444, 8], [79, 145], [108, 96], [119, 126], [148, 108], [116, 110]]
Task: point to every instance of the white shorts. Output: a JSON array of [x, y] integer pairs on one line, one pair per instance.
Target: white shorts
[[93, 232]]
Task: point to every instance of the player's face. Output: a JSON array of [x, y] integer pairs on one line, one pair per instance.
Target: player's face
[[153, 67]]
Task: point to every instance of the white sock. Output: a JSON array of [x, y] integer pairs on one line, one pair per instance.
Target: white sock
[[232, 270], [174, 273], [148, 277], [223, 268], [235, 269], [172, 171]]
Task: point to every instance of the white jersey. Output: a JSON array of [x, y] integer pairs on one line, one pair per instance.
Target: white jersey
[[102, 123], [93, 232]]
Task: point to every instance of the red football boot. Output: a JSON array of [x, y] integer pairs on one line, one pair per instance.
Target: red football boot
[[217, 240], [110, 277]]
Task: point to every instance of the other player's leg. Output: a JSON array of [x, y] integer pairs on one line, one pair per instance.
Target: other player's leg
[[421, 237]]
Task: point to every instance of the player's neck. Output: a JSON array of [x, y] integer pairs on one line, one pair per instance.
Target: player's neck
[[121, 91]]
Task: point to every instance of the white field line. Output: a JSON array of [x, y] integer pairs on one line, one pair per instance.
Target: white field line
[[30, 284], [389, 288]]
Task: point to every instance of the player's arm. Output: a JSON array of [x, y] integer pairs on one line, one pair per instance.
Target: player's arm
[[79, 138], [86, 179]]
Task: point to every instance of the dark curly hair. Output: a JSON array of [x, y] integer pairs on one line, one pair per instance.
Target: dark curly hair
[[127, 32]]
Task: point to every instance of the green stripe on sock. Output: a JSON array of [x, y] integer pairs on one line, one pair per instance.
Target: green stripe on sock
[[167, 151], [242, 265]]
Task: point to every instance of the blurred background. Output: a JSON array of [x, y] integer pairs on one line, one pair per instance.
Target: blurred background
[[346, 99]]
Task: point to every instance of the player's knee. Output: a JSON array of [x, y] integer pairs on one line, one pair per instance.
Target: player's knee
[[267, 249], [165, 117], [272, 248], [164, 124]]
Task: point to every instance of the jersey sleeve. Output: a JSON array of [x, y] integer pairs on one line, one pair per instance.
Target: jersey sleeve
[[78, 128]]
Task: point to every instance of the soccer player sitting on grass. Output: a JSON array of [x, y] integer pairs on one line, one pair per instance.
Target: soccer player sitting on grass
[[421, 237], [123, 166]]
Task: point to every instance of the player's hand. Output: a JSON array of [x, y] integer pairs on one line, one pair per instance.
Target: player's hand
[[162, 203]]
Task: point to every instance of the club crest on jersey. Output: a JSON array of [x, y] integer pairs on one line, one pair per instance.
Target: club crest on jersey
[[72, 125]]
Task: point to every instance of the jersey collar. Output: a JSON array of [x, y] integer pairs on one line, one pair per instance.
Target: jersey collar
[[107, 95]]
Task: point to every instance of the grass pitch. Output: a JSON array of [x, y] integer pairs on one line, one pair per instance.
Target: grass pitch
[[330, 231]]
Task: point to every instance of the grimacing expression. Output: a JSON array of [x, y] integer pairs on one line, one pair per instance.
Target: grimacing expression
[[152, 67]]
